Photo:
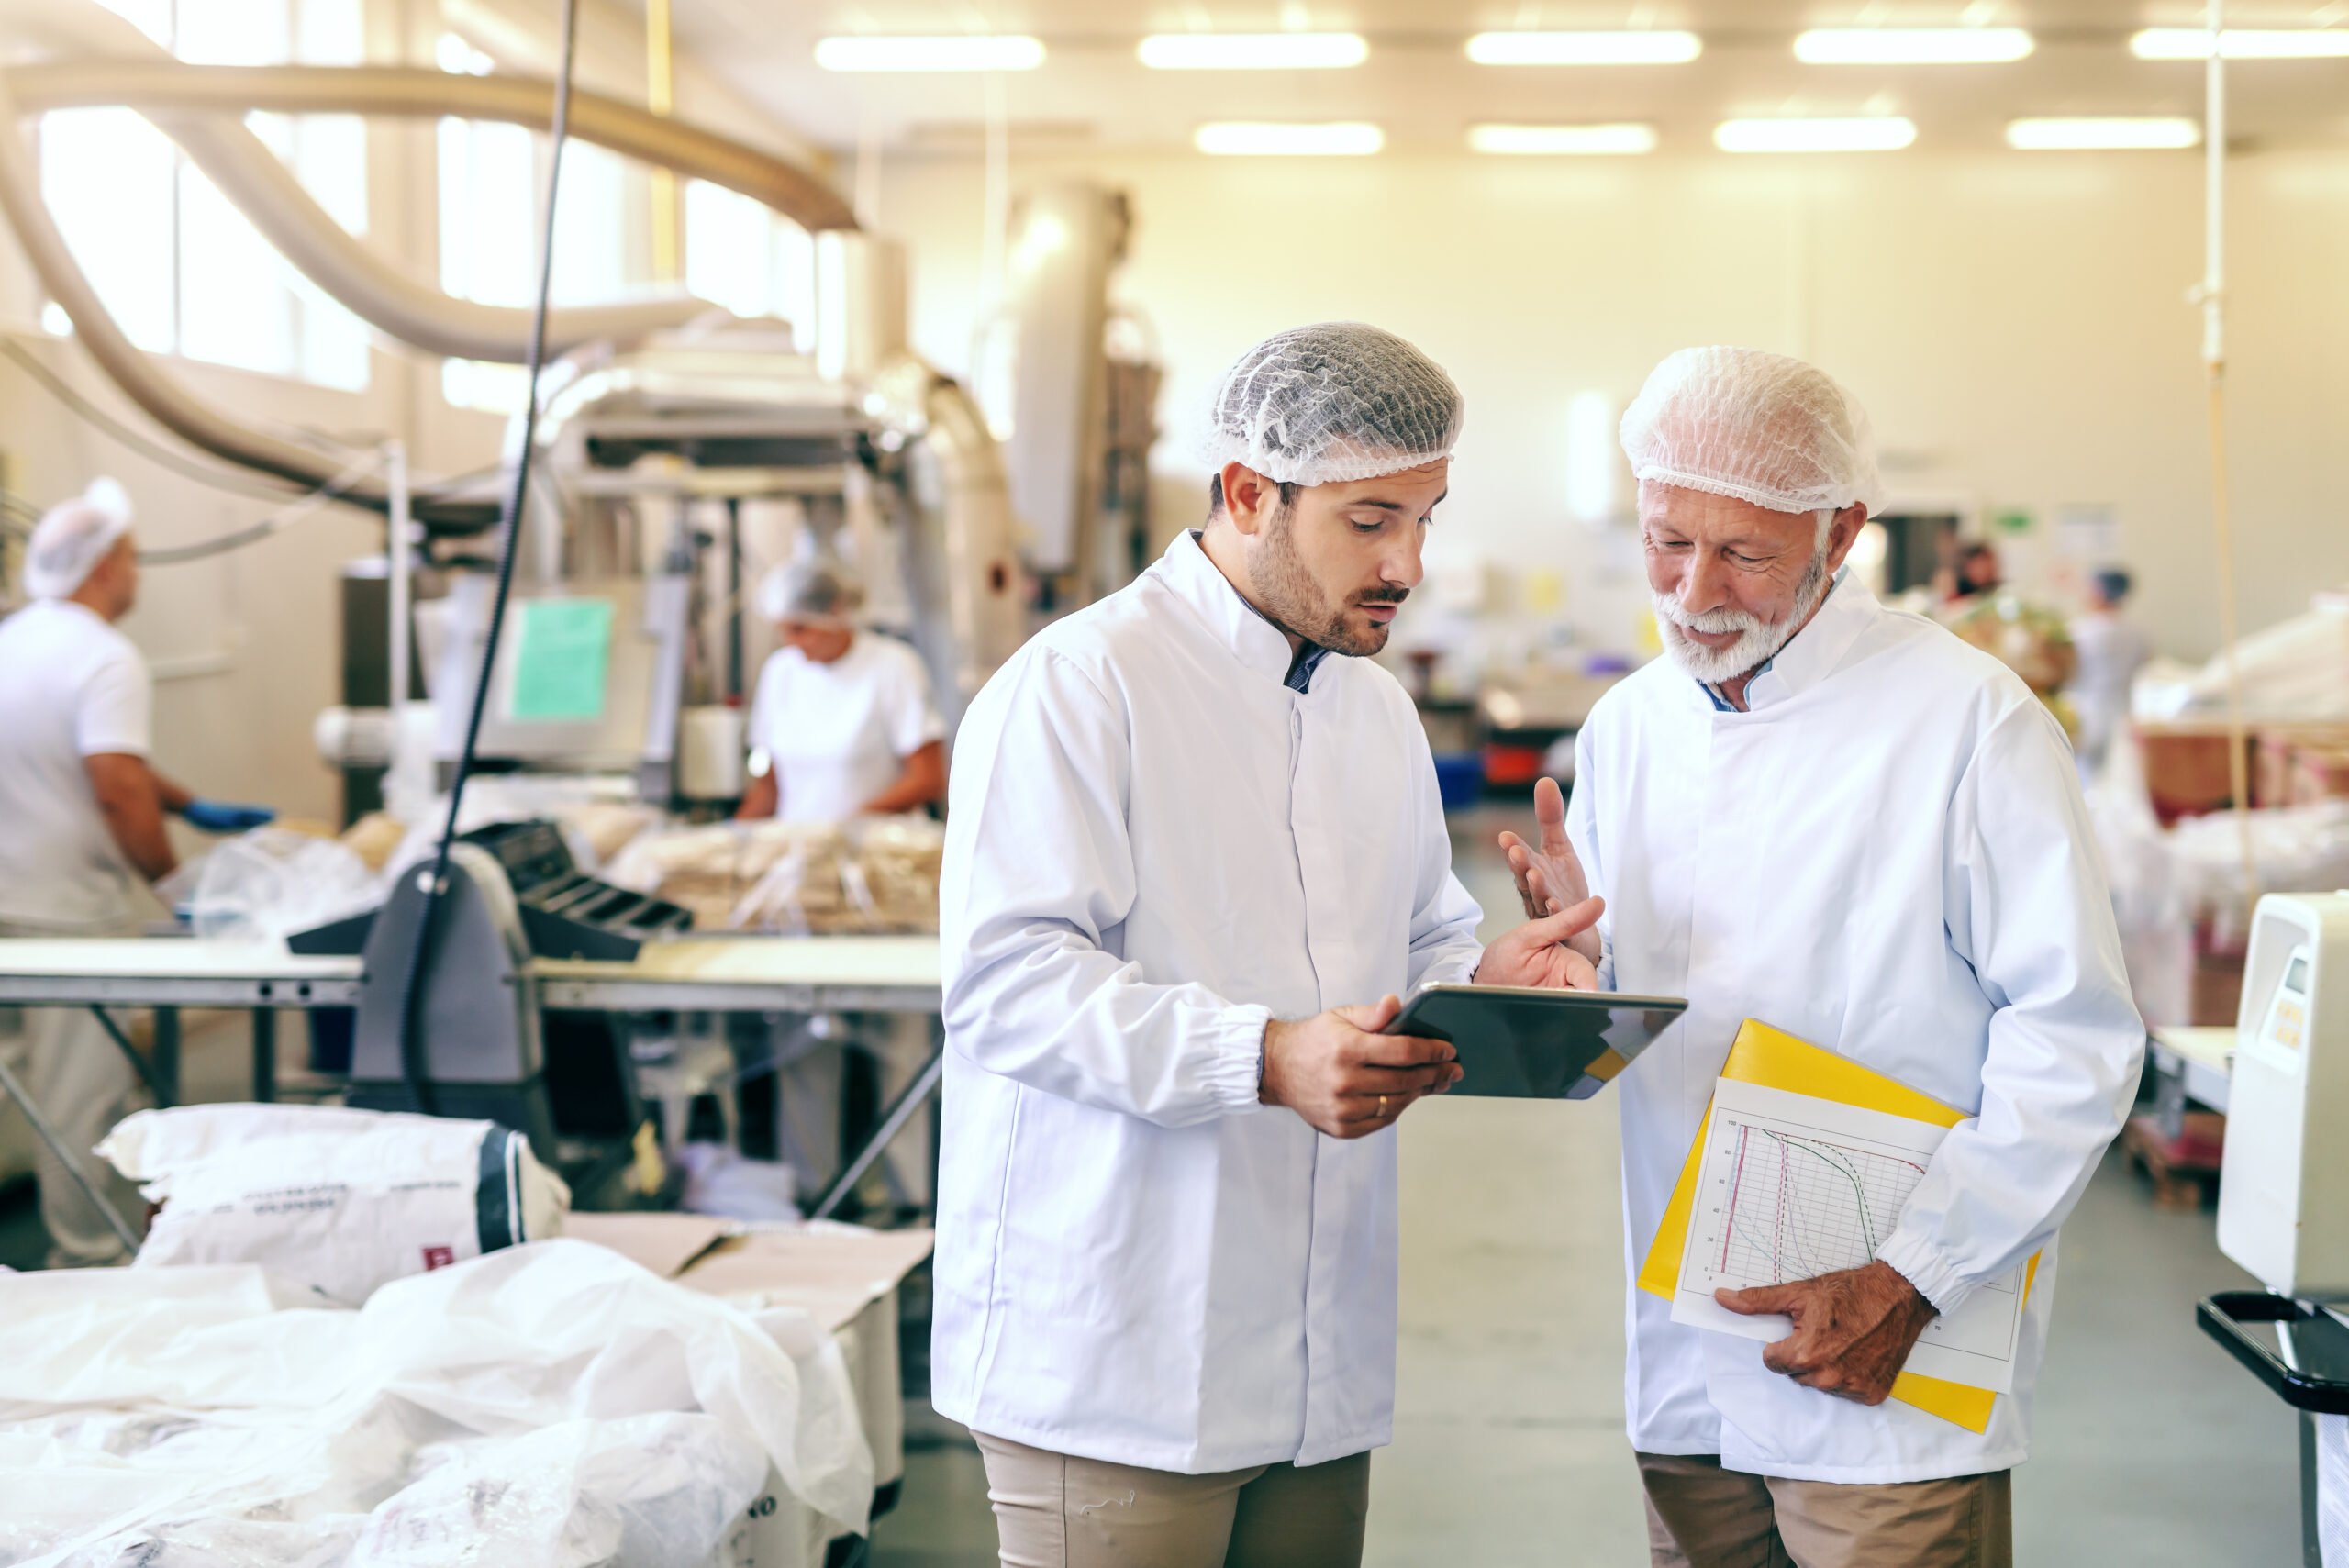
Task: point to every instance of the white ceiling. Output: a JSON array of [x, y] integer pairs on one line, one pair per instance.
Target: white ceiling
[[1418, 85]]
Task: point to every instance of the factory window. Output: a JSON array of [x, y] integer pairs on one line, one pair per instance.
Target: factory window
[[492, 185], [739, 255], [180, 268]]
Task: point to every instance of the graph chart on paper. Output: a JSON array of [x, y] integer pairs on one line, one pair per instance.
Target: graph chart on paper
[[1800, 1204], [1790, 1187]]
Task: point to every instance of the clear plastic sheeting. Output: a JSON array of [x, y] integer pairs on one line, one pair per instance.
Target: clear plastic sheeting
[[2331, 1482], [1327, 404], [2294, 671], [1754, 427], [263, 884], [552, 1406]]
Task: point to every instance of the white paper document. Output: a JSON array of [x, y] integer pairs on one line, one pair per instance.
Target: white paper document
[[1791, 1187]]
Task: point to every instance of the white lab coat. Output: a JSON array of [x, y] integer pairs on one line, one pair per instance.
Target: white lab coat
[[1888, 857], [1154, 846]]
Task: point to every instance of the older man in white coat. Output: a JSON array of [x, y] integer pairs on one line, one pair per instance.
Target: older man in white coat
[[1848, 824], [1190, 860]]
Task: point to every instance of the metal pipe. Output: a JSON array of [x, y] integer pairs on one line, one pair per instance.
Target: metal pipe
[[405, 91], [48, 1135], [369, 284], [399, 556], [194, 420]]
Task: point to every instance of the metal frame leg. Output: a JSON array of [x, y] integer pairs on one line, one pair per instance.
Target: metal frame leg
[[167, 1056], [264, 1054], [48, 1135], [130, 1052], [893, 1121]]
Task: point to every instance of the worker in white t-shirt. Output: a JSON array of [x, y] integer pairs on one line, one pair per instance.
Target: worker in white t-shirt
[[81, 825], [843, 724]]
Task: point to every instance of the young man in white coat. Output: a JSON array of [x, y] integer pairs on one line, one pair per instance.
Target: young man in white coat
[[1848, 824], [1190, 862]]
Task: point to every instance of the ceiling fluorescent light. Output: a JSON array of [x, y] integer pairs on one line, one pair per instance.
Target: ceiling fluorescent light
[[1245, 139], [2242, 43], [1911, 46], [1624, 47], [2084, 134], [1599, 141], [1870, 133], [984, 51], [1252, 51]]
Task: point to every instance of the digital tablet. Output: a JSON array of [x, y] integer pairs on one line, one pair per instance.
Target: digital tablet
[[1518, 1042]]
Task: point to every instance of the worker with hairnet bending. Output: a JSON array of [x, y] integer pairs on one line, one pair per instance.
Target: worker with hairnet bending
[[1848, 824], [1195, 853], [81, 827]]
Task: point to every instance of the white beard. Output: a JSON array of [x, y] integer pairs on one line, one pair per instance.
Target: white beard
[[1758, 641]]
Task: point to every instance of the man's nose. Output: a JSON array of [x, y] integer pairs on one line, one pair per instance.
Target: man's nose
[[1403, 568], [1704, 585]]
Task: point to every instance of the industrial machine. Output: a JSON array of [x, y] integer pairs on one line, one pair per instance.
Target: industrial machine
[[2283, 1189]]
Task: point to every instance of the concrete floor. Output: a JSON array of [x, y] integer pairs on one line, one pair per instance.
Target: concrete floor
[[2152, 1448]]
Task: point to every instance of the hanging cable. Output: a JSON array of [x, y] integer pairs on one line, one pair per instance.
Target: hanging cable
[[309, 505], [414, 1063]]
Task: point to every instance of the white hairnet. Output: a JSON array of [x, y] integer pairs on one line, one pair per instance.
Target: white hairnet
[[73, 536], [809, 590], [1331, 403], [1755, 426]]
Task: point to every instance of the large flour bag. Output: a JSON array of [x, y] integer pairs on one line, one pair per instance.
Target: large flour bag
[[344, 1200]]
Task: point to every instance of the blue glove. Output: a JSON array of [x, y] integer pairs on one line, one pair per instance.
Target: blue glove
[[219, 816]]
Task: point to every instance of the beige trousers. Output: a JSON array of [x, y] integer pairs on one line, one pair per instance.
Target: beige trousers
[[1701, 1516], [1054, 1511]]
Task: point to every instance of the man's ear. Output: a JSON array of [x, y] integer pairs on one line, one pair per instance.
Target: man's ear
[[1845, 533], [1248, 498]]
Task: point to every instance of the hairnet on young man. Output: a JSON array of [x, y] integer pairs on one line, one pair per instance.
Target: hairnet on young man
[[1755, 426], [1331, 403], [73, 536]]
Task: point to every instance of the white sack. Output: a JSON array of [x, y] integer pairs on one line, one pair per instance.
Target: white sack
[[342, 1200]]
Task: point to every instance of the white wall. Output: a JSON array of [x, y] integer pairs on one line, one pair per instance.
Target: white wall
[[2015, 324]]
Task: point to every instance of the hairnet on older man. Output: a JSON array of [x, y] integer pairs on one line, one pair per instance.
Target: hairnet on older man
[[815, 589], [73, 536], [1331, 403], [1755, 426]]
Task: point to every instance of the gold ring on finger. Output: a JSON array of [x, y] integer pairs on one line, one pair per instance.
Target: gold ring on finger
[[1382, 1107]]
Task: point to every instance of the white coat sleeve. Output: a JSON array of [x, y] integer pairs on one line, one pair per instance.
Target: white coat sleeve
[[1582, 831], [1039, 877], [1444, 949], [2027, 907]]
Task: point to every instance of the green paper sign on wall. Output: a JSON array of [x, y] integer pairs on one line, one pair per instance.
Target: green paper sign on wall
[[2012, 522]]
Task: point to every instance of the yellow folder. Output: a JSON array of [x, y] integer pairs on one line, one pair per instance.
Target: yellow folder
[[1775, 1059]]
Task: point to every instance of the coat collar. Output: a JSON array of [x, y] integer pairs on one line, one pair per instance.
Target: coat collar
[[1191, 577], [1817, 648]]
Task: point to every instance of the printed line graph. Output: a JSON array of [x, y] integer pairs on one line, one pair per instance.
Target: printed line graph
[[1800, 1207]]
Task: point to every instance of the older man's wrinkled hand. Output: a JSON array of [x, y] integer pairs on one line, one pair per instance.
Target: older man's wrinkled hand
[[1550, 877], [1541, 953], [1854, 1329]]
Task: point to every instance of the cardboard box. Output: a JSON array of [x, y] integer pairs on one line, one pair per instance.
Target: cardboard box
[[844, 1276], [2186, 771]]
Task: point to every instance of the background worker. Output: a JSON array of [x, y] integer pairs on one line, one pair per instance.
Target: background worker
[[2111, 649], [1852, 825], [842, 723], [1195, 839], [82, 827]]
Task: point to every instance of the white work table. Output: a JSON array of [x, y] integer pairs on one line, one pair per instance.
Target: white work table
[[717, 974], [2201, 1060]]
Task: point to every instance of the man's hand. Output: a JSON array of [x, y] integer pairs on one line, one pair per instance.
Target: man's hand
[[1550, 879], [1854, 1329], [1540, 953], [1345, 1078]]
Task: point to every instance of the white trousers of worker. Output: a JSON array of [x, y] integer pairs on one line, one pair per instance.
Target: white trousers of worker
[[79, 1079]]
